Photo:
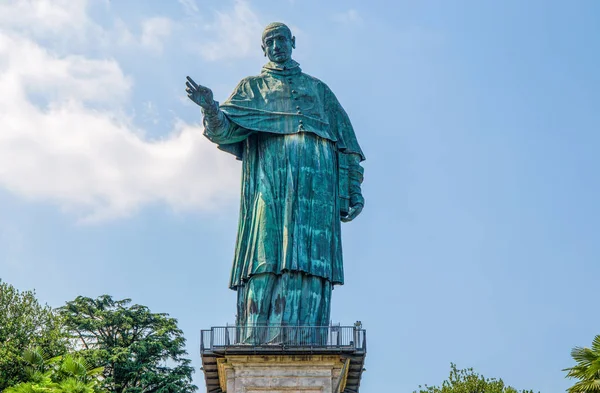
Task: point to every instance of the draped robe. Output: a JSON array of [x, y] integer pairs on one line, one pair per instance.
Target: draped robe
[[289, 130]]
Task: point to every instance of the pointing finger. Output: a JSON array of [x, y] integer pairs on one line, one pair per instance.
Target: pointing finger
[[192, 82]]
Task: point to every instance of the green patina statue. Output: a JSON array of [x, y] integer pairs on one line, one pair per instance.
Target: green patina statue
[[301, 177]]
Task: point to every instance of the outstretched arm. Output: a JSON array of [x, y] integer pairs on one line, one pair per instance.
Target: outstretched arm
[[217, 127]]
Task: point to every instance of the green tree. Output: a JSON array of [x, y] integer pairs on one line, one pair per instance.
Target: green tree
[[62, 374], [468, 381], [24, 323], [587, 370], [141, 351]]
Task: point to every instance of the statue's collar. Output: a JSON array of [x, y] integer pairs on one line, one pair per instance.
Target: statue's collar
[[290, 67]]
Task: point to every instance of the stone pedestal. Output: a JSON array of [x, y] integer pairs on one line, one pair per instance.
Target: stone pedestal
[[282, 373], [318, 359]]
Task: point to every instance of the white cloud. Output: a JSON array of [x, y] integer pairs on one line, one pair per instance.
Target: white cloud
[[65, 26], [233, 34], [189, 7], [350, 16], [64, 138], [41, 17], [154, 32], [28, 69]]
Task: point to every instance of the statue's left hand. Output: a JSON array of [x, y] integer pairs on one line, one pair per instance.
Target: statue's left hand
[[355, 210]]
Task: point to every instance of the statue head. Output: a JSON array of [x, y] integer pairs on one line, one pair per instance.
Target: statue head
[[278, 42]]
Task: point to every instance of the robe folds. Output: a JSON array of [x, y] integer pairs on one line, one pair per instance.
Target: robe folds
[[288, 129]]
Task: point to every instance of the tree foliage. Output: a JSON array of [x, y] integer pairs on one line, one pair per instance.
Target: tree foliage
[[141, 351], [468, 381], [587, 369], [62, 374], [24, 323]]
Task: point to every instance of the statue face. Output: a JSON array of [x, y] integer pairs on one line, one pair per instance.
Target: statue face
[[278, 45]]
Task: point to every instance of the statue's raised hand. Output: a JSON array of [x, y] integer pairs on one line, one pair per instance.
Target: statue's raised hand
[[201, 95]]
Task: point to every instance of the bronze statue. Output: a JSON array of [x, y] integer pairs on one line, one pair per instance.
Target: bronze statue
[[301, 177]]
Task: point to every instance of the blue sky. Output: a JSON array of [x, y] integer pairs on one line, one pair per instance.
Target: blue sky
[[479, 243]]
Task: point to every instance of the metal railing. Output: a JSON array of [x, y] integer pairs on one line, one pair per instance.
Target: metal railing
[[288, 337]]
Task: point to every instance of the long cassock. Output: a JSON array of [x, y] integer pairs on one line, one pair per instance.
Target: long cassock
[[291, 134]]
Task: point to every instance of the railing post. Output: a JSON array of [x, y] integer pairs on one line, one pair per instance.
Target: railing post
[[364, 346]]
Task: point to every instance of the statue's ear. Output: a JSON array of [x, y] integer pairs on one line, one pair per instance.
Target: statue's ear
[[264, 50], [294, 42]]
